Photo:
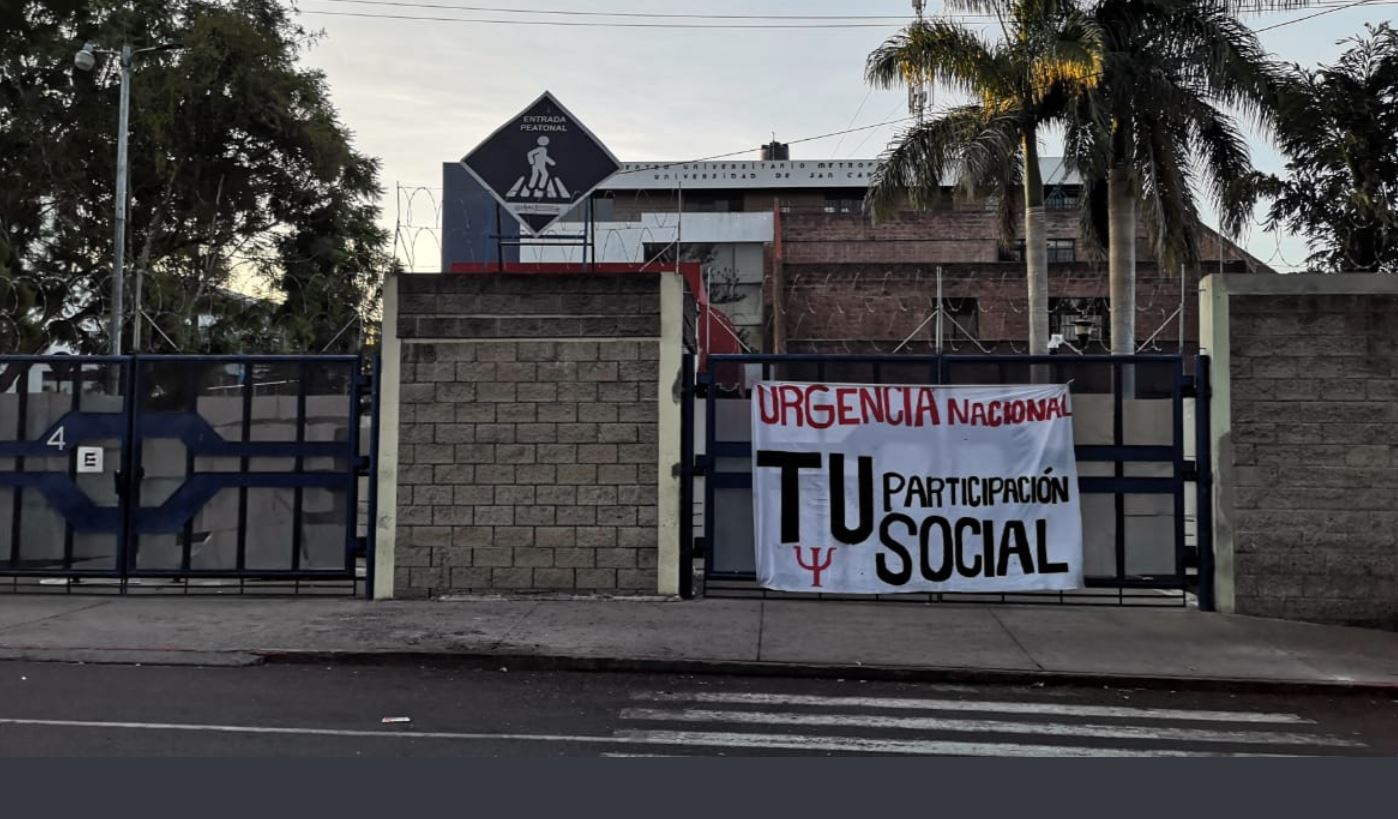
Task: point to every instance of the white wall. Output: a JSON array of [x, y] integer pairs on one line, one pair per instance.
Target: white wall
[[624, 241]]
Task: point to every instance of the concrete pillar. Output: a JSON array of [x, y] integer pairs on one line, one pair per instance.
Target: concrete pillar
[[390, 378]]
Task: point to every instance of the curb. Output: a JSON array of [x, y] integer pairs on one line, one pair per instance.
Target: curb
[[883, 673], [132, 656]]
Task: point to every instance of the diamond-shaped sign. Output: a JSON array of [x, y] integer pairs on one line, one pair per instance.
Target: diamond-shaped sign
[[541, 163]]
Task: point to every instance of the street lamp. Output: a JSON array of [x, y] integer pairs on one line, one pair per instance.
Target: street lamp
[[85, 60]]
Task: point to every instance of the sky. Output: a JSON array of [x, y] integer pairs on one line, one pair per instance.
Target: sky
[[420, 92]]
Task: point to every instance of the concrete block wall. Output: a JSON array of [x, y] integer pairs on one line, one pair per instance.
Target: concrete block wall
[[528, 434], [1306, 445]]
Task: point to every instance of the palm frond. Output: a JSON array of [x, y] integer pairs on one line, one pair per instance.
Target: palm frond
[[1222, 150], [940, 51], [967, 145], [1166, 193], [1067, 55], [993, 8], [1226, 61]]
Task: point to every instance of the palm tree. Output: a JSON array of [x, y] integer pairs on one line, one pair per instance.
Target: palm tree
[[1049, 53], [1170, 69]]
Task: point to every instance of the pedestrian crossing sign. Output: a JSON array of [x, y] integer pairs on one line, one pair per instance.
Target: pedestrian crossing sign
[[541, 164]]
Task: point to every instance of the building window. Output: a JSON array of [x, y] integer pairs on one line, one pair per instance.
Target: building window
[[1012, 252], [1059, 250], [700, 203], [1061, 199], [603, 210], [658, 252], [843, 203], [960, 320], [1062, 250], [1080, 320]]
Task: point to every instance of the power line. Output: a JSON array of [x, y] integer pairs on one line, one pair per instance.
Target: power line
[[678, 21], [852, 119], [1316, 14], [851, 130], [1258, 9], [662, 15], [589, 24], [663, 165], [856, 148]]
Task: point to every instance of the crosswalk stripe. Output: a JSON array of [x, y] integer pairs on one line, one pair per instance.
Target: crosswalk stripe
[[918, 747], [1134, 732], [909, 704]]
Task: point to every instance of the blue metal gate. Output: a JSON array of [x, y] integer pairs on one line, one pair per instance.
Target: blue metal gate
[[193, 473], [1142, 461]]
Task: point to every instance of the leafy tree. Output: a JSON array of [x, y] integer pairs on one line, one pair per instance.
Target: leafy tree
[[241, 176], [1049, 52], [1338, 126], [1172, 69]]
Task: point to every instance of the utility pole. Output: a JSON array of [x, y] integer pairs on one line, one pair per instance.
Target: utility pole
[[1183, 280], [85, 60], [919, 92], [939, 309], [119, 246]]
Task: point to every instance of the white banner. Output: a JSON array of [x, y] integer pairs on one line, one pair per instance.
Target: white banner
[[934, 488]]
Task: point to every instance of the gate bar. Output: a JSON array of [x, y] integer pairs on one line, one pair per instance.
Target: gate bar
[[73, 406], [126, 382], [1118, 468], [687, 477], [246, 428], [710, 405], [1204, 483], [21, 432], [1177, 434], [192, 383], [371, 529], [297, 503], [359, 382]]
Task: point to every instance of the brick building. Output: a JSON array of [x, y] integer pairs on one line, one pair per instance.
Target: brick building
[[790, 257]]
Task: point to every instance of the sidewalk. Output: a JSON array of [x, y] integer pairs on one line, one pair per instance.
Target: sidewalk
[[1099, 645]]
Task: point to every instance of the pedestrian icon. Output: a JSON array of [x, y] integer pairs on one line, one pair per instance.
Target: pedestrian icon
[[541, 164], [542, 184]]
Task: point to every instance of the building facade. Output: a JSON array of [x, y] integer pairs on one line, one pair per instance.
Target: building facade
[[790, 256]]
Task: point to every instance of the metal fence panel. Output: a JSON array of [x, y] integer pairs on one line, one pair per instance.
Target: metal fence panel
[[238, 468], [1136, 454]]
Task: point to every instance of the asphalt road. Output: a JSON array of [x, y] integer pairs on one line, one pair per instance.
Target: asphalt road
[[52, 709]]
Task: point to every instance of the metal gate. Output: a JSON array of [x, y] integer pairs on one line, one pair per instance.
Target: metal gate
[[1141, 434], [185, 473]]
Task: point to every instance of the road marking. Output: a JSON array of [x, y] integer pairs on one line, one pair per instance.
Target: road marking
[[986, 726], [1048, 708], [684, 738], [809, 744], [319, 732]]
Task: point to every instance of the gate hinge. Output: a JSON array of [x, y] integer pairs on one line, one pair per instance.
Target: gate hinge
[[1191, 471]]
